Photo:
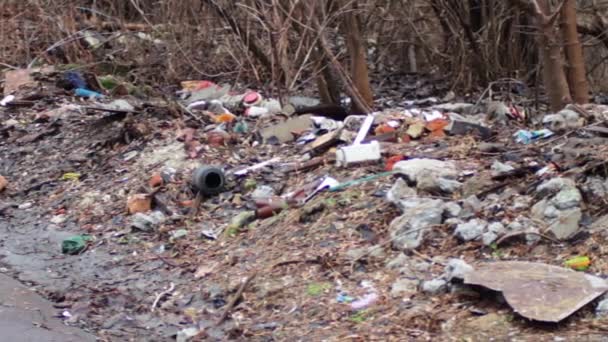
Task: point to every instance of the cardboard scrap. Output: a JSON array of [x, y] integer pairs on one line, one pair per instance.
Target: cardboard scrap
[[538, 291]]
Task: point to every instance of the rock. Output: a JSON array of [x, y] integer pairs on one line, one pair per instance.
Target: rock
[[457, 269], [452, 210], [522, 202], [470, 230], [178, 234], [498, 111], [448, 186], [404, 287], [454, 221], [400, 191], [470, 207], [139, 203], [372, 252], [398, 262], [431, 183], [499, 168], [495, 229], [594, 189], [538, 209], [185, 335], [551, 212], [3, 183], [435, 286], [147, 223], [563, 120], [567, 223], [602, 308], [488, 238], [419, 215], [515, 226], [262, 192], [555, 184], [567, 198], [412, 168]]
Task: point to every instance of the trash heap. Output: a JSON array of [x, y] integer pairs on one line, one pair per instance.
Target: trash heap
[[217, 212]]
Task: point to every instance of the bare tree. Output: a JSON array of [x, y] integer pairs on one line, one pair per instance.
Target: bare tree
[[575, 67]]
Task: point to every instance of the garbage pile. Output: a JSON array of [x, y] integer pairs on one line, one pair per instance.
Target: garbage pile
[[245, 216]]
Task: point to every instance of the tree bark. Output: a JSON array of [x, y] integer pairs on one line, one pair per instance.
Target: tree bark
[[575, 66], [358, 57], [554, 76]]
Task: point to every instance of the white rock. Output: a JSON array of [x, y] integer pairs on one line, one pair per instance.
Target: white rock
[[404, 287], [602, 308], [149, 222], [452, 209], [567, 198], [435, 286], [567, 223], [419, 215], [457, 269], [499, 168], [470, 230], [413, 168]]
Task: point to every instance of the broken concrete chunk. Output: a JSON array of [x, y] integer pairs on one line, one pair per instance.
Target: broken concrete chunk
[[435, 286], [499, 168], [418, 216], [452, 209], [601, 310], [567, 223], [567, 198], [400, 191], [538, 291], [147, 223], [555, 185], [404, 287], [457, 269], [563, 120], [413, 168], [471, 230]]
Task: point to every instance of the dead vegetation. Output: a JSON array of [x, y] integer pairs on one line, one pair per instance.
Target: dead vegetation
[[289, 45]]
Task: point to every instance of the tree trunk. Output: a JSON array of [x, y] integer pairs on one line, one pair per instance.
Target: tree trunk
[[358, 57], [554, 76], [575, 67]]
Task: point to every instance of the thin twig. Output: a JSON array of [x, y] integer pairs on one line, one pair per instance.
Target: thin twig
[[235, 299], [161, 295]]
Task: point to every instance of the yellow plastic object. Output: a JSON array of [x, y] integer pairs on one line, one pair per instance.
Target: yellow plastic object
[[73, 176], [579, 263]]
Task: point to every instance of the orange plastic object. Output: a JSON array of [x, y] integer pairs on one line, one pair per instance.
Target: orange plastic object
[[196, 85], [224, 118], [383, 129], [390, 162]]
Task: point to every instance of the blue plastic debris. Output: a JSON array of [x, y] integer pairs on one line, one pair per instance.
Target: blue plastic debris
[[525, 137]]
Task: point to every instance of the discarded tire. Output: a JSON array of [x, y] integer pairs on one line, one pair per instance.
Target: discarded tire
[[208, 180]]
